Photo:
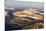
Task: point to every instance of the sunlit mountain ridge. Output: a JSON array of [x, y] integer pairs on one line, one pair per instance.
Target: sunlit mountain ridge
[[29, 13]]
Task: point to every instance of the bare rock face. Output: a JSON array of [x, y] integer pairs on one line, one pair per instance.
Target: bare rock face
[[29, 13], [34, 26], [27, 19]]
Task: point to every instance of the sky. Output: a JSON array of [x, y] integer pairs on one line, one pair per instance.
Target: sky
[[23, 4]]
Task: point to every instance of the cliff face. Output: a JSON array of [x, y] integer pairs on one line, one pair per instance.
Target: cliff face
[[27, 19], [29, 13]]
